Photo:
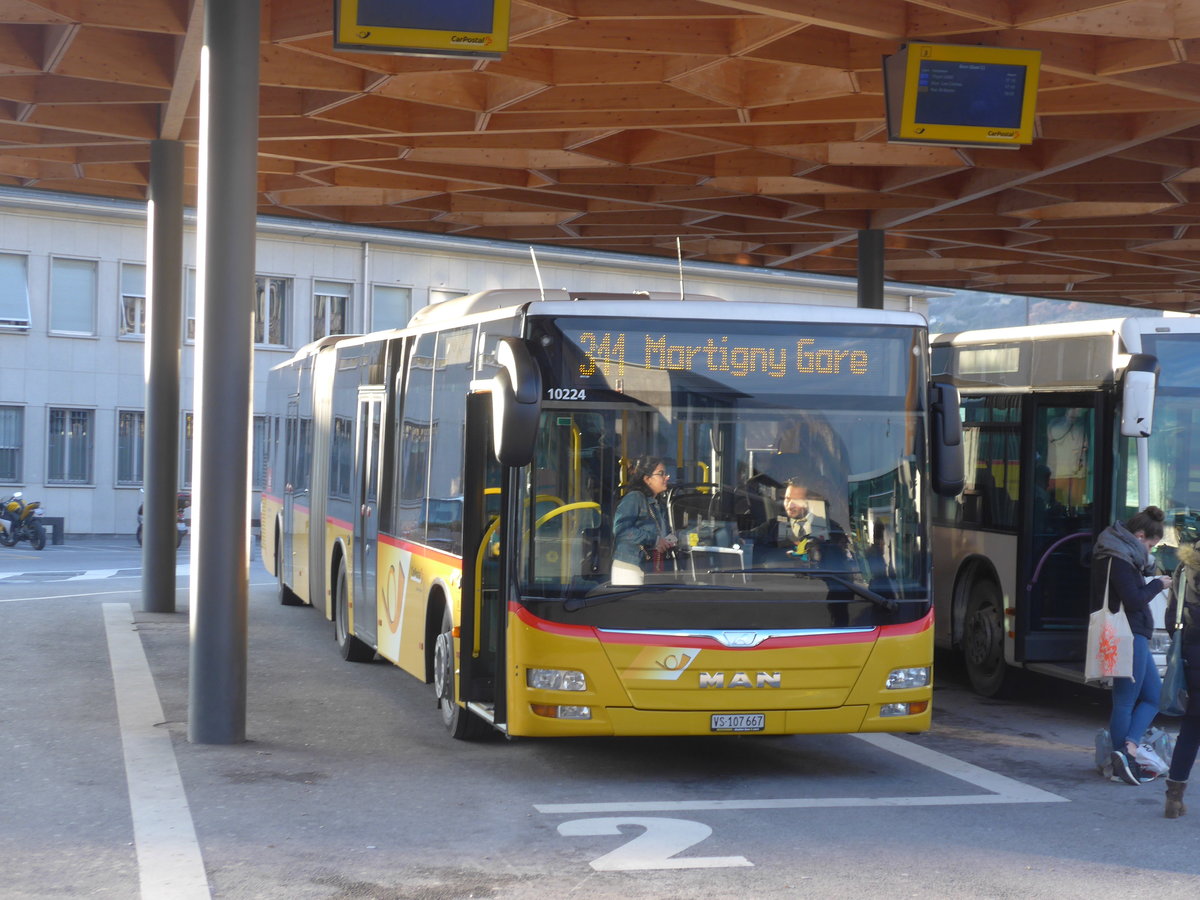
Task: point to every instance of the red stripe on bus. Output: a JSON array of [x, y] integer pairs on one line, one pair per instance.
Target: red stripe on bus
[[431, 553], [674, 640]]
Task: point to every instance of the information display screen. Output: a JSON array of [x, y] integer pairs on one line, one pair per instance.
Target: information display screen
[[607, 356], [968, 93], [963, 95], [477, 28]]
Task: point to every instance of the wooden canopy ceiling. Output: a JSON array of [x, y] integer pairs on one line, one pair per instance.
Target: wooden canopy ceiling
[[751, 129]]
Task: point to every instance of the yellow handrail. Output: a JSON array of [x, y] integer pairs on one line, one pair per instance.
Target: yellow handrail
[[487, 536]]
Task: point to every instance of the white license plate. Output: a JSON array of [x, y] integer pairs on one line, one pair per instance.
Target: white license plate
[[738, 721]]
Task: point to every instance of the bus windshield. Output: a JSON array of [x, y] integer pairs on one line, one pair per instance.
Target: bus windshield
[[1174, 446], [764, 479]]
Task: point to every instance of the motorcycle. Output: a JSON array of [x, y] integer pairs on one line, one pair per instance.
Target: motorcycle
[[19, 522], [183, 518]]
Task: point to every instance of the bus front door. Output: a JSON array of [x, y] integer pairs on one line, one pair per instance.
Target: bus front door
[[285, 550], [366, 528], [482, 616], [1061, 521]]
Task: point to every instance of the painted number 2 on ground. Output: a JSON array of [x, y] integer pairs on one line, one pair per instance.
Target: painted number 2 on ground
[[654, 848]]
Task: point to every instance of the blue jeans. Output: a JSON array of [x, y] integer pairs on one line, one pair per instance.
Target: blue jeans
[[1135, 700]]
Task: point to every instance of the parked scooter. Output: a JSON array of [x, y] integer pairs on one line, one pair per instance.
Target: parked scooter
[[183, 518], [19, 521]]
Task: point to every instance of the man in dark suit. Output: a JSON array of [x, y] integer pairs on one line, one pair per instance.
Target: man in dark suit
[[800, 534]]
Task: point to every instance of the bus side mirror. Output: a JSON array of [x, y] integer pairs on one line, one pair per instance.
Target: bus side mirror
[[516, 403], [945, 440], [1137, 395]]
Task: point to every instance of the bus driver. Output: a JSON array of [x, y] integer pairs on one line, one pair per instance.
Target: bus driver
[[799, 525]]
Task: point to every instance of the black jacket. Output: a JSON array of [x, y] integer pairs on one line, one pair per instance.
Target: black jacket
[[1127, 586]]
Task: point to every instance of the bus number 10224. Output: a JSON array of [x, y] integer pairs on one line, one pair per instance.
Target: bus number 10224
[[566, 394]]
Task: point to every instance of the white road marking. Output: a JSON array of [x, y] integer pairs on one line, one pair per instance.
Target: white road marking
[[169, 863], [71, 596], [1005, 789], [93, 573]]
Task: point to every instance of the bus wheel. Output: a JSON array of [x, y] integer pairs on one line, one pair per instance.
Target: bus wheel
[[983, 641], [352, 649], [287, 597], [462, 725]]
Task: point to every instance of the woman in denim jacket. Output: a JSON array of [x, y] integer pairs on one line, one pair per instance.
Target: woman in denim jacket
[[641, 530]]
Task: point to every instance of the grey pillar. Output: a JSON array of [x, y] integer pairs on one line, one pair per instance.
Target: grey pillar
[[164, 277], [220, 475], [870, 269]]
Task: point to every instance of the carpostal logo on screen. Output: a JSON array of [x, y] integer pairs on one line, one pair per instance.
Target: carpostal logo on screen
[[606, 353], [471, 40]]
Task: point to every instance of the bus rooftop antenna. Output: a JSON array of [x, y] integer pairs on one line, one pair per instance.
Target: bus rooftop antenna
[[537, 272]]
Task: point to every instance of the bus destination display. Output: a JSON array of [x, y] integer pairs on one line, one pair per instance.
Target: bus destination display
[[600, 356]]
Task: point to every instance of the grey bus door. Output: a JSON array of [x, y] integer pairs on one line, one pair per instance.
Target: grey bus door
[[486, 521], [366, 530], [1063, 516], [291, 430]]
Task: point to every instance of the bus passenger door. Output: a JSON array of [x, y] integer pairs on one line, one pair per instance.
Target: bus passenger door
[[483, 614], [291, 430], [1061, 520], [366, 528]]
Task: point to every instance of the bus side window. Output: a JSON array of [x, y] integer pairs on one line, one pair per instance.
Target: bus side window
[[415, 426]]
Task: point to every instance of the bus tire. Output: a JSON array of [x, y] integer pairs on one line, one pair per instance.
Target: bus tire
[[462, 724], [983, 641], [351, 648], [287, 597]]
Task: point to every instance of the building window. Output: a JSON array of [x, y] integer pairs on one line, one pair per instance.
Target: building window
[[262, 450], [331, 308], [189, 304], [14, 291], [391, 307], [73, 296], [12, 430], [131, 440], [271, 297], [133, 299], [185, 471], [70, 446]]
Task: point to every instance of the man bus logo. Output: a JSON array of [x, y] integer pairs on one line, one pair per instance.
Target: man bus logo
[[740, 679]]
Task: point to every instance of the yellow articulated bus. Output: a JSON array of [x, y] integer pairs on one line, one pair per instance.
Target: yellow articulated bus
[[448, 495]]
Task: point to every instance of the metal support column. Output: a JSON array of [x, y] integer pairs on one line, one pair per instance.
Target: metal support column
[[870, 269], [228, 191], [164, 277]]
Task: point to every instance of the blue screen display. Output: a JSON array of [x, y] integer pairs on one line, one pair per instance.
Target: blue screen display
[[986, 95]]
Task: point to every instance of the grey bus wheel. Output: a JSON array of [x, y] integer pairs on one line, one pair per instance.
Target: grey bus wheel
[[983, 642], [351, 648]]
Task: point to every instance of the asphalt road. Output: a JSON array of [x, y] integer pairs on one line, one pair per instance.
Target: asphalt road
[[348, 787]]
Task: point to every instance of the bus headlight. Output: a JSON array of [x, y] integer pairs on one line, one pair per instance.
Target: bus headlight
[[914, 708], [556, 679], [916, 677], [562, 712]]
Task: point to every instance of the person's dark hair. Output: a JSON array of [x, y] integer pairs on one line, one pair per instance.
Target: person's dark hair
[[1149, 522], [642, 467]]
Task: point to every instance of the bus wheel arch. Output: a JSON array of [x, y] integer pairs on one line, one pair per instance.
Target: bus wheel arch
[[351, 648], [441, 667], [982, 638]]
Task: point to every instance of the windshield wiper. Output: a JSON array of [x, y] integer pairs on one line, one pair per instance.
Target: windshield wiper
[[833, 575]]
